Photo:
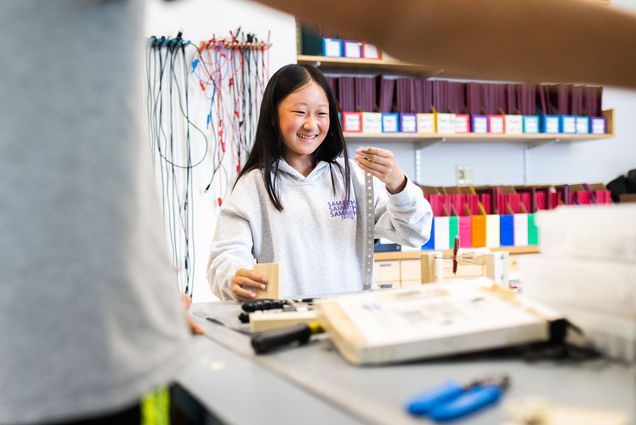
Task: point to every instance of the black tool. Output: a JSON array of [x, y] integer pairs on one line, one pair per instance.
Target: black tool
[[262, 342], [264, 304]]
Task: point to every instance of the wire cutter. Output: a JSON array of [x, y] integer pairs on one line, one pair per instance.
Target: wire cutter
[[453, 400]]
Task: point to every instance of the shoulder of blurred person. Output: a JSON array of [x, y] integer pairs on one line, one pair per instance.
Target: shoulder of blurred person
[[90, 317]]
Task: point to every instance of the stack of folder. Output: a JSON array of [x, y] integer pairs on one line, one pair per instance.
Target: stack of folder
[[314, 40], [499, 216], [402, 104]]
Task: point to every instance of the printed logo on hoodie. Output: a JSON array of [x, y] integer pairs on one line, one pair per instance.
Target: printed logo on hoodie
[[343, 209]]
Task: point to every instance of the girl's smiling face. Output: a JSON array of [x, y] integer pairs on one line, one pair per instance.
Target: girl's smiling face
[[303, 118]]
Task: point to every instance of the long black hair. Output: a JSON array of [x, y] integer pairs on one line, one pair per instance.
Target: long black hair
[[268, 143]]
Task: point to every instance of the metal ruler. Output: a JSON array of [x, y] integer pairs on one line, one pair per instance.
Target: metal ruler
[[370, 230]]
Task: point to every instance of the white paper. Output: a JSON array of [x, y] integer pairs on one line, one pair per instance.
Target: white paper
[[429, 313]]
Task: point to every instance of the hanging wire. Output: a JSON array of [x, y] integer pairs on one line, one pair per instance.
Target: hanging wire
[[228, 75]]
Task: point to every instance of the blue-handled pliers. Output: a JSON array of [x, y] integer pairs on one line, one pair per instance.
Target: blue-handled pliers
[[453, 400]]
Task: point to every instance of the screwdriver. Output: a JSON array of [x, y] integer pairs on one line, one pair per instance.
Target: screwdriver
[[262, 342]]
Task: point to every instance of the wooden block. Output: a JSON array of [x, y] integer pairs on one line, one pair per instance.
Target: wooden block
[[410, 270], [463, 270], [627, 197], [386, 271], [427, 265], [271, 273], [263, 321]]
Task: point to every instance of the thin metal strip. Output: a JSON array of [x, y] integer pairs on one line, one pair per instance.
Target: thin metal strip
[[370, 230]]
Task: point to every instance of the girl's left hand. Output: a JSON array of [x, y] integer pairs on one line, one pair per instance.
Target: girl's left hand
[[381, 163]]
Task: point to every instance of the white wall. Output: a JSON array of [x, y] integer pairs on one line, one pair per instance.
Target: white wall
[[493, 163], [200, 20], [499, 163]]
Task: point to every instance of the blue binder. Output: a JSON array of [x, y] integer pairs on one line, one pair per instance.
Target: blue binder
[[431, 241], [506, 230]]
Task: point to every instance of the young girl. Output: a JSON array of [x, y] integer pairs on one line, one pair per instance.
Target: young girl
[[300, 201]]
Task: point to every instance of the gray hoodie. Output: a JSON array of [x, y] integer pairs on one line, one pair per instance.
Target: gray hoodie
[[319, 238], [89, 314]]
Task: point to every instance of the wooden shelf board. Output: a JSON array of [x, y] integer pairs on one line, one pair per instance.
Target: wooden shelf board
[[414, 255], [476, 138], [327, 64]]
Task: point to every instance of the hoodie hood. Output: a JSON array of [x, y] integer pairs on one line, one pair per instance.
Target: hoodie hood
[[289, 172]]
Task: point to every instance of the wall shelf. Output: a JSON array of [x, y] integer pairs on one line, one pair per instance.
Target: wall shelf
[[528, 141], [414, 255], [424, 140], [374, 66]]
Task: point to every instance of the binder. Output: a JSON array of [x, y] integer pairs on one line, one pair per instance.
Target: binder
[[369, 51], [496, 124], [492, 230], [479, 124], [425, 123], [506, 230], [444, 123], [550, 124], [352, 49], [461, 123], [478, 230], [583, 125], [465, 231], [332, 47], [311, 41], [385, 245], [364, 94], [597, 125], [530, 124], [533, 232], [513, 124], [352, 122], [430, 244], [346, 94], [408, 123], [520, 229], [386, 93], [371, 122], [568, 124], [390, 122], [453, 229], [442, 230]]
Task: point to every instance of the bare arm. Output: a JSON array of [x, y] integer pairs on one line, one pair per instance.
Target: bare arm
[[533, 40]]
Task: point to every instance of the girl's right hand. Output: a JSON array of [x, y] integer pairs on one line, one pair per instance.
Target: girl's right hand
[[244, 282]]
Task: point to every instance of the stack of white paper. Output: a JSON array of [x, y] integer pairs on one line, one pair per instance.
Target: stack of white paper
[[587, 270], [431, 320]]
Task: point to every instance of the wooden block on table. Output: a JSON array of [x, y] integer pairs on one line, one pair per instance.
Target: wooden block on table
[[271, 272], [410, 270], [627, 197], [427, 267], [264, 321], [386, 271]]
